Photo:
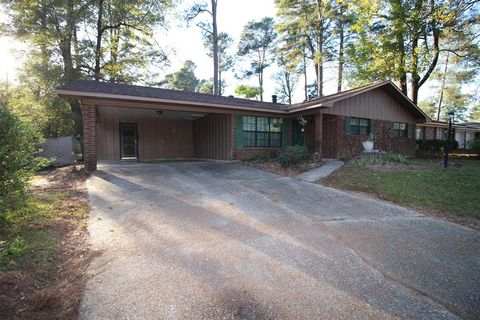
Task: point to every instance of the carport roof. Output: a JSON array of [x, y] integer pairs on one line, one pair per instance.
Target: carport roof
[[96, 89]]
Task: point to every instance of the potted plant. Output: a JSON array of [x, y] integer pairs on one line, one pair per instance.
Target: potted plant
[[368, 144]]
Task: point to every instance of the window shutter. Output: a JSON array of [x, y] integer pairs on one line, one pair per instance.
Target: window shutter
[[239, 135], [285, 132], [347, 126], [410, 130], [372, 127]]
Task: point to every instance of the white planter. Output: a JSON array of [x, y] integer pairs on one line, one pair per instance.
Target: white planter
[[368, 146]]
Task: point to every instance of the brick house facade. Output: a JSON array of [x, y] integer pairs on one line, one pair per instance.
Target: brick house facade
[[153, 123]]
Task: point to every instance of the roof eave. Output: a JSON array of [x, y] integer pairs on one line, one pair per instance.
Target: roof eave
[[82, 95]]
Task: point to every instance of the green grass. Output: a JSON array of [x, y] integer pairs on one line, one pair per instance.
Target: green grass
[[29, 235], [455, 191]]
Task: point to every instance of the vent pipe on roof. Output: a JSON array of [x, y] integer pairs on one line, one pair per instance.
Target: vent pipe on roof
[[274, 98], [230, 96]]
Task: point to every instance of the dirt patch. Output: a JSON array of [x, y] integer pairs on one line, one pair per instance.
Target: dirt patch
[[53, 290], [275, 167]]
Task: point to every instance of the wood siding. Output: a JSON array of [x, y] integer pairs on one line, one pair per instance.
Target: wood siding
[[376, 104], [158, 138], [212, 137]]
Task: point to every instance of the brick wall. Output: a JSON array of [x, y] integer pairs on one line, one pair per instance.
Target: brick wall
[[89, 137], [250, 153], [336, 144], [309, 133], [330, 136]]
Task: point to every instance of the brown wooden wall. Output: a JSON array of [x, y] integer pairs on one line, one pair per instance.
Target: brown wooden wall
[[212, 137], [158, 138], [375, 104]]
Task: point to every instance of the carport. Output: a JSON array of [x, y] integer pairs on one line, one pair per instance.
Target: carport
[[151, 134], [125, 122]]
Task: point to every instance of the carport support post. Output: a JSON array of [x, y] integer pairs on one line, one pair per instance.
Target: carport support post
[[318, 134], [89, 137]]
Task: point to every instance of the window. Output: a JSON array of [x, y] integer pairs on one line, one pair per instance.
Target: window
[[262, 132], [399, 129], [419, 133], [441, 134], [359, 126]]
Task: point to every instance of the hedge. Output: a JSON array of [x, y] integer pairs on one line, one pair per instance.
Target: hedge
[[433, 147]]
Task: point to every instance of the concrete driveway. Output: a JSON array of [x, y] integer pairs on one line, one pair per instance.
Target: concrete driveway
[[208, 240]]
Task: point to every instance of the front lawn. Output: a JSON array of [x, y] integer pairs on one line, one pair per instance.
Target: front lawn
[[44, 249], [421, 184]]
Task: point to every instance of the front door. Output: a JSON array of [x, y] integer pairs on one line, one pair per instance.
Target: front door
[[128, 141]]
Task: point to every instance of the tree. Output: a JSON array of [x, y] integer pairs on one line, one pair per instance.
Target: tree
[[210, 32], [475, 113], [124, 39], [403, 40], [184, 79], [305, 25], [457, 102], [248, 92], [225, 60], [256, 44], [63, 49], [286, 79]]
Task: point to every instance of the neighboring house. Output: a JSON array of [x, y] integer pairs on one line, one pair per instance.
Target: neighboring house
[[144, 123], [464, 133]]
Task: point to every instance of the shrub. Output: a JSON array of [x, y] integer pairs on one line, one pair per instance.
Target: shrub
[[17, 158], [292, 155], [474, 145], [433, 147], [394, 157], [380, 158]]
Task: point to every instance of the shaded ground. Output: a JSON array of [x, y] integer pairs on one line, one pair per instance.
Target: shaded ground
[[274, 166], [423, 185], [206, 240], [44, 249]]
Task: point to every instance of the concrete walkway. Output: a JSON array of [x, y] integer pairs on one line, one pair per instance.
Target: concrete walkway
[[326, 169], [207, 240]]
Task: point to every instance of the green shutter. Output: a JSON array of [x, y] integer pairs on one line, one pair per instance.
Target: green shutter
[[239, 129], [285, 132], [373, 127], [347, 126], [410, 130]]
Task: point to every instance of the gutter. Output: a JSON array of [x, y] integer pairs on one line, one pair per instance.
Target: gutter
[[81, 94]]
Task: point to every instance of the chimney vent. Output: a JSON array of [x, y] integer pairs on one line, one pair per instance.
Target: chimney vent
[[274, 98]]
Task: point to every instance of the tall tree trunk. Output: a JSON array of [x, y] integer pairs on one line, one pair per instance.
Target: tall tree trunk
[[216, 84], [220, 90], [436, 52], [69, 69], [98, 46], [415, 77], [341, 25], [444, 80], [305, 84], [320, 49]]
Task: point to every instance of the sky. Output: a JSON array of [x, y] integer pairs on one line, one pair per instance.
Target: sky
[[184, 42]]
